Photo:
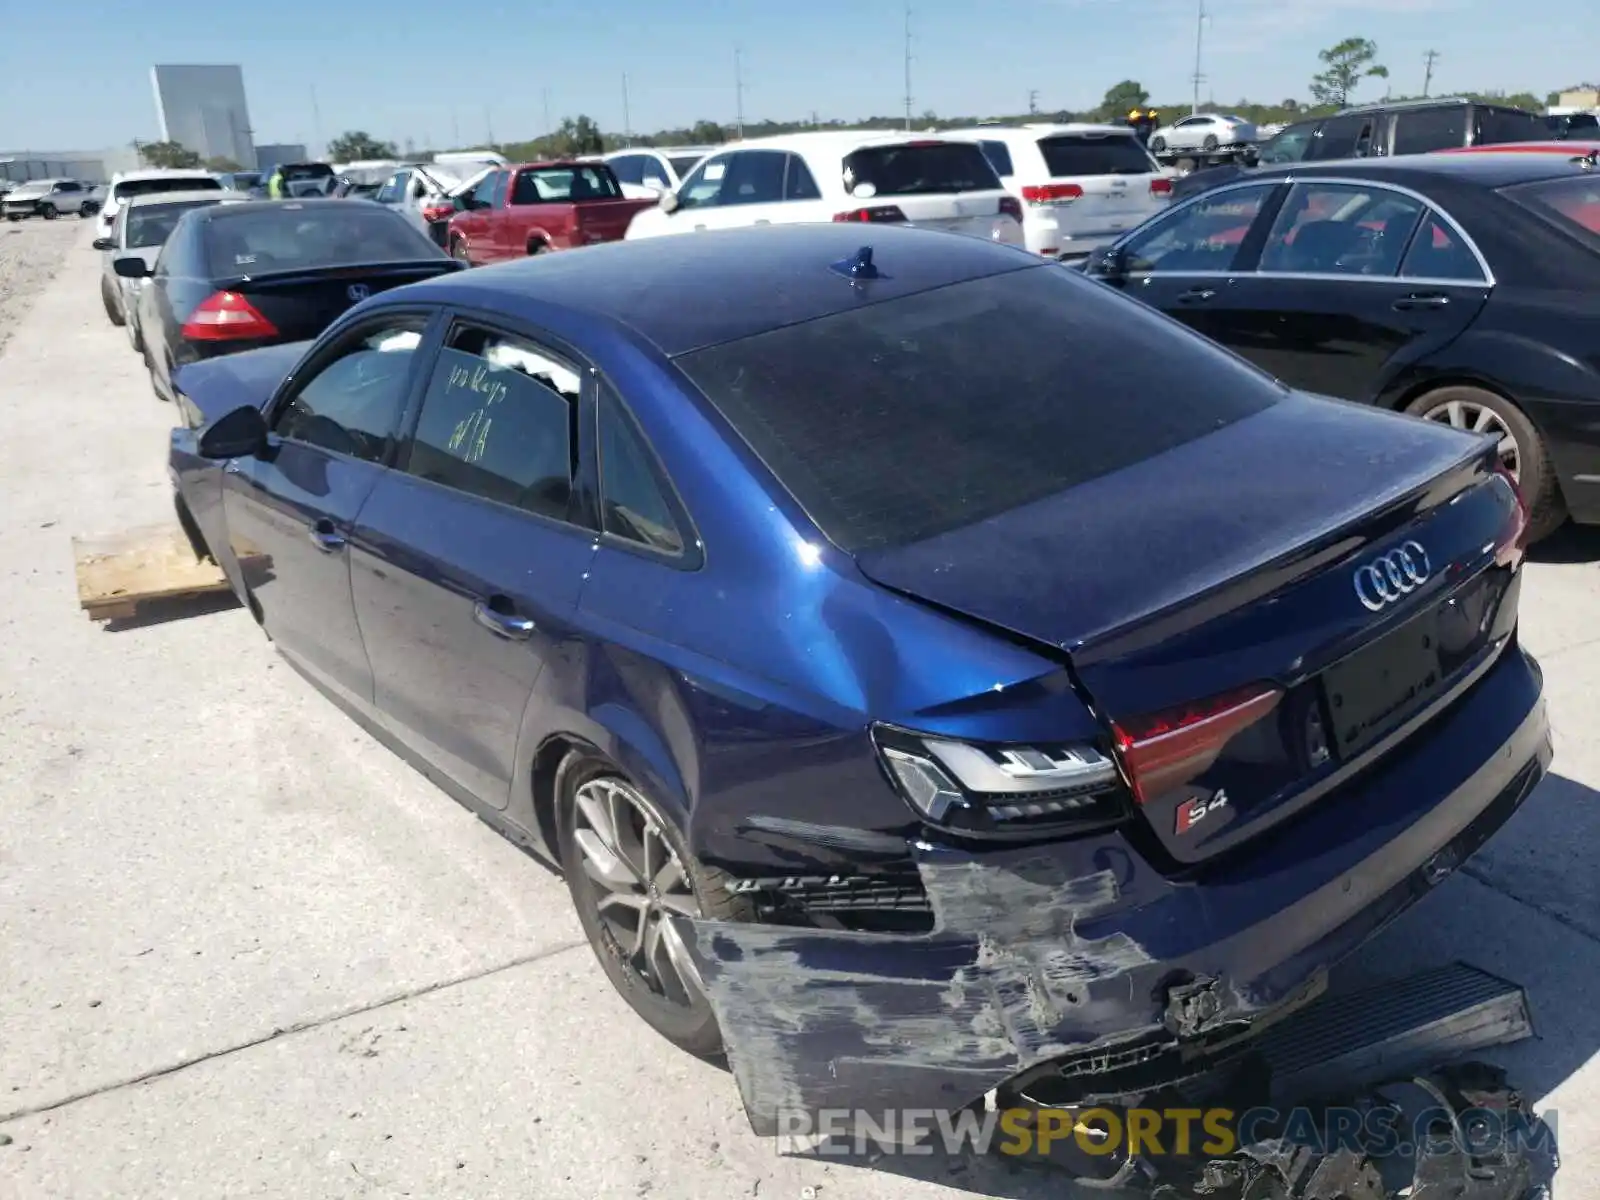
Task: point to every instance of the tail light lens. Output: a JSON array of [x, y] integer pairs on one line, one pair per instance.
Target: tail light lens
[[877, 213], [1011, 207], [1161, 186], [227, 316], [1169, 749], [1514, 540], [1052, 193], [438, 212]]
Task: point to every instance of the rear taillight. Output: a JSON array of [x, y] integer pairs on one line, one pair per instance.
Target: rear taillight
[[1161, 186], [880, 212], [1011, 207], [1514, 538], [1052, 193], [1168, 749], [438, 212], [226, 316]]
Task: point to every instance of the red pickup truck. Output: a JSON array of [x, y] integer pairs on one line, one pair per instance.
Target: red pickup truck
[[536, 207]]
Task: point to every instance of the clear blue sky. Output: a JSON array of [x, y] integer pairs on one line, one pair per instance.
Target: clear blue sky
[[75, 74]]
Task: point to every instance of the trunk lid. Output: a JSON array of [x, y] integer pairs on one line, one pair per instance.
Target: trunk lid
[[301, 303], [1227, 568]]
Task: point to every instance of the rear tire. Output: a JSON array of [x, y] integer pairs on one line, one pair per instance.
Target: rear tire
[[672, 1004], [458, 250], [47, 211], [1158, 145], [537, 248], [1523, 450], [113, 313], [1210, 144]]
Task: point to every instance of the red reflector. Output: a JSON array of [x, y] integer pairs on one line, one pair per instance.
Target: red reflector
[[1514, 539], [881, 212], [438, 212], [1011, 207], [1167, 749], [1161, 186], [1051, 193], [225, 316]]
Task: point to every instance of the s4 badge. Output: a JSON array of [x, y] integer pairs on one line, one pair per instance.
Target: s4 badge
[[1196, 809]]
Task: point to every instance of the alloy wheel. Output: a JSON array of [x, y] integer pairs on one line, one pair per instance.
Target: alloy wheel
[[636, 881], [1478, 418]]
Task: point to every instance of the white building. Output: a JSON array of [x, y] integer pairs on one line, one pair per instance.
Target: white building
[[203, 109]]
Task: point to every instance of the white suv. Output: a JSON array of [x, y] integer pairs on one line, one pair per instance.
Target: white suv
[[646, 171], [127, 184], [1081, 186], [933, 182]]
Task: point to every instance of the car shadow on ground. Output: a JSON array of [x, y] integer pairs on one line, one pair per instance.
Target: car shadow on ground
[[1571, 543], [1526, 908]]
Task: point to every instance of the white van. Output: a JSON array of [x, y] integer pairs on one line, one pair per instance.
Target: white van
[[935, 182]]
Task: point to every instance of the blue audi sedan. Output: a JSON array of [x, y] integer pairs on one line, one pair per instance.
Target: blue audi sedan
[[928, 667]]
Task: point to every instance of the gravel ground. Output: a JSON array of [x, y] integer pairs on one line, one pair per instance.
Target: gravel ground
[[31, 252]]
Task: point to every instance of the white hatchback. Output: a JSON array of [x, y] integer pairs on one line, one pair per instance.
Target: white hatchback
[[932, 182], [1081, 186]]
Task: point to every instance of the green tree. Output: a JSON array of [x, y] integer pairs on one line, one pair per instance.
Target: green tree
[[222, 163], [578, 135], [1345, 66], [168, 155], [707, 133], [1123, 98], [357, 145]]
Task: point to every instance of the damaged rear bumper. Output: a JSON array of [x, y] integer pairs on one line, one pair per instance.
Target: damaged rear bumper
[[1080, 961]]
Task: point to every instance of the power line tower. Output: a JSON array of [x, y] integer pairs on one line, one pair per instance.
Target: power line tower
[[1199, 45], [908, 65], [1033, 102], [1431, 57], [738, 93]]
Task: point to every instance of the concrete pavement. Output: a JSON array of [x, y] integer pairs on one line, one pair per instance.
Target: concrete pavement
[[246, 951]]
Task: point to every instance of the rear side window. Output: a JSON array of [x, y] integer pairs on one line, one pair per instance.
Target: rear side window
[[289, 236], [1570, 204], [1438, 252], [149, 187], [797, 181], [557, 184], [1498, 125], [1339, 229], [999, 156], [1078, 154], [497, 422], [635, 509], [990, 394], [1342, 137], [1427, 129], [920, 169], [1291, 144]]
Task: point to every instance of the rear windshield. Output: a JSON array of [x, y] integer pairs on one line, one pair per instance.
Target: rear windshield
[[152, 224], [549, 184], [307, 171], [682, 165], [986, 395], [289, 236], [174, 183], [919, 169], [1113, 154], [1570, 204]]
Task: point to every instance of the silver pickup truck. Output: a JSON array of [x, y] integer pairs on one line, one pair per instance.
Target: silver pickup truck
[[47, 198]]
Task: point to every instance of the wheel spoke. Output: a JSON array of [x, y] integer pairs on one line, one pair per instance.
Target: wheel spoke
[[598, 814], [1485, 422], [601, 864], [682, 962], [1455, 415], [626, 901]]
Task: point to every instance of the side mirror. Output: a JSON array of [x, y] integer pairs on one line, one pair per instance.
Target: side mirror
[[241, 433], [105, 243], [1110, 264], [669, 202], [131, 266]]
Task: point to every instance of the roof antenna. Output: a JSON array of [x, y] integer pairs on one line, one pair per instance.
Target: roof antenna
[[860, 266]]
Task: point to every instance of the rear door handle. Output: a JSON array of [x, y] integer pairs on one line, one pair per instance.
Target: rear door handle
[[325, 537], [1196, 295], [1421, 300], [501, 623]]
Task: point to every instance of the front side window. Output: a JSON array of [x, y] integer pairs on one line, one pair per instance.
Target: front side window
[[497, 422], [393, 189], [1336, 229], [1205, 236], [352, 405], [1427, 129], [655, 175], [703, 188], [999, 156], [1342, 137], [483, 194], [1290, 145], [754, 177], [634, 507]]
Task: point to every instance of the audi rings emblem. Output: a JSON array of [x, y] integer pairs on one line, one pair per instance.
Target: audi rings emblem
[[1398, 573]]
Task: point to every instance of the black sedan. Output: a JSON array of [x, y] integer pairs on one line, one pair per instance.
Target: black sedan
[[1461, 288], [240, 276]]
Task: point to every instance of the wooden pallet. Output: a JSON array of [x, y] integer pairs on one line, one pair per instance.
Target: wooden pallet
[[118, 572]]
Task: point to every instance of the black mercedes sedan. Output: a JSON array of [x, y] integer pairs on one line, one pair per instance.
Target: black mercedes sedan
[[1460, 288], [265, 272]]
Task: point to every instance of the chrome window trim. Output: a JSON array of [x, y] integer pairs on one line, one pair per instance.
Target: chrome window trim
[[1488, 280]]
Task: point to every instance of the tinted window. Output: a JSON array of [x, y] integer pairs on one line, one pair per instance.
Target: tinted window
[[1113, 154], [1496, 125], [634, 506], [1289, 145], [655, 175], [1203, 236], [992, 393], [483, 194], [913, 169], [999, 156], [1342, 137], [554, 184], [152, 224], [1340, 230], [322, 233], [754, 177], [394, 190], [798, 183], [498, 192], [1438, 252], [1425, 129], [307, 171], [353, 404], [1571, 204], [147, 187], [628, 169], [68, 186], [497, 422], [683, 164]]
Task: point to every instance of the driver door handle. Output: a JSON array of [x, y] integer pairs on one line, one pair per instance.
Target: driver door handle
[[1196, 295], [502, 624], [325, 537], [1421, 300]]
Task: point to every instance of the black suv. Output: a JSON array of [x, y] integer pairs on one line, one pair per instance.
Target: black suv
[[1399, 127]]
